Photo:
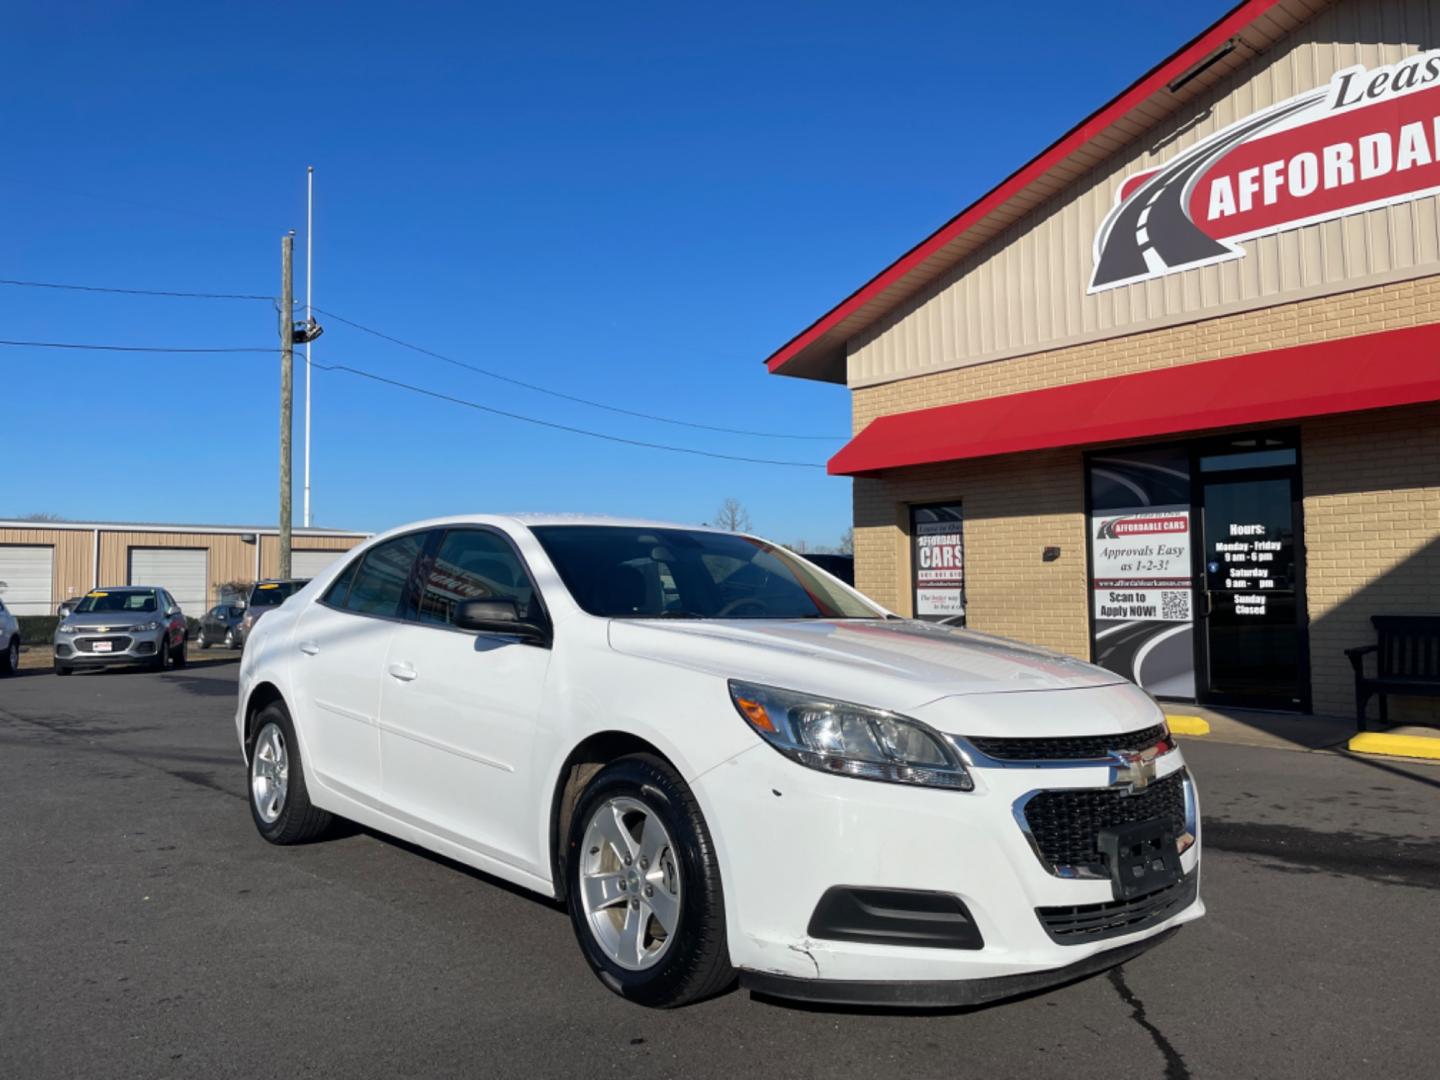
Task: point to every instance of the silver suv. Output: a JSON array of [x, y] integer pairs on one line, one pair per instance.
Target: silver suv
[[9, 641], [124, 625]]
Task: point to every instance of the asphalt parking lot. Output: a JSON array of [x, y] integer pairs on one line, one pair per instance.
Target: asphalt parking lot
[[148, 931]]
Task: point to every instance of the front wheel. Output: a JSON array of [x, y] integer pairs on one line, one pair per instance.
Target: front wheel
[[202, 640], [279, 800], [182, 654], [643, 886]]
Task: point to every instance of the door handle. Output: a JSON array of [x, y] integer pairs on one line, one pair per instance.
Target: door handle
[[309, 648], [403, 671]]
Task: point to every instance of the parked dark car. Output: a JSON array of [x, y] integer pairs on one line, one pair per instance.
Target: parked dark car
[[266, 596], [841, 566], [221, 626]]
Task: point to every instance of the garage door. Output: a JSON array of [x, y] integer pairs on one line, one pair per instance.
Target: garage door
[[183, 571], [26, 573], [309, 564]]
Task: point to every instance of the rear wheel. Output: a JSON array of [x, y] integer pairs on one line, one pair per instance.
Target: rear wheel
[[202, 640], [10, 658], [643, 886], [279, 801]]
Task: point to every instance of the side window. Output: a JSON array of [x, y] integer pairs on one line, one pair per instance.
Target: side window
[[474, 565], [379, 584], [339, 589]]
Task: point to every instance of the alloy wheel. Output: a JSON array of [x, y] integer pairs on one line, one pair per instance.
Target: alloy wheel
[[630, 883], [269, 773]]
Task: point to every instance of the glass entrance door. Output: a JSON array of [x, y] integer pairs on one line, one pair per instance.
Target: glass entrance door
[[1254, 609]]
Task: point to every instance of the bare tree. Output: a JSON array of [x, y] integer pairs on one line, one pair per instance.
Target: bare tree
[[847, 542], [732, 516], [41, 516]]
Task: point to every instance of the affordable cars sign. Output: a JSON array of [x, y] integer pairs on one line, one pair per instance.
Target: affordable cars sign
[[1370, 138]]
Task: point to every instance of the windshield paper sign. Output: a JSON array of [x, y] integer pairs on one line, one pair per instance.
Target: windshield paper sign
[[1370, 138]]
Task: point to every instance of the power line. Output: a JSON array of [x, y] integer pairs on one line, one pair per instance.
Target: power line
[[133, 348], [134, 292], [556, 426], [569, 397]]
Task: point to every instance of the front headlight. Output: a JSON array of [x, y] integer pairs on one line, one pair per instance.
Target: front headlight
[[850, 740], [140, 628], [66, 628]]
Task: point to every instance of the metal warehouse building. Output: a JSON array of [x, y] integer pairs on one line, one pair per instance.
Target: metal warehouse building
[[1168, 397], [44, 563]]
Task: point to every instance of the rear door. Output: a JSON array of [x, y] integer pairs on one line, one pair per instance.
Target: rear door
[[460, 711], [342, 641]]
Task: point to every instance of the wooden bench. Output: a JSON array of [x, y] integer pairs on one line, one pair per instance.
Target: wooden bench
[[1407, 661]]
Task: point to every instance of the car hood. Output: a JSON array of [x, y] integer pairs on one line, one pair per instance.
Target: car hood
[[118, 619], [892, 664]]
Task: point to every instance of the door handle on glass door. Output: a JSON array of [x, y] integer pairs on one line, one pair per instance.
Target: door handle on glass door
[[402, 671], [309, 648]]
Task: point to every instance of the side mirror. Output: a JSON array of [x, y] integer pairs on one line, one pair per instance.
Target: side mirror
[[499, 617]]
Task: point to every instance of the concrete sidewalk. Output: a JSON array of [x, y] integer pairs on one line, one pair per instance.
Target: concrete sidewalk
[[1288, 731]]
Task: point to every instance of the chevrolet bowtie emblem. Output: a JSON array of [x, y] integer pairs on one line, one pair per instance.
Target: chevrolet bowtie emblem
[[1135, 771]]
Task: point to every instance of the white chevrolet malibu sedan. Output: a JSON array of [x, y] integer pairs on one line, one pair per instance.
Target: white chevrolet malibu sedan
[[724, 761]]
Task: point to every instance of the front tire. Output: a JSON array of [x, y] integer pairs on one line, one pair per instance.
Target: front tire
[[643, 886], [279, 800], [63, 669], [229, 639], [201, 640], [182, 654]]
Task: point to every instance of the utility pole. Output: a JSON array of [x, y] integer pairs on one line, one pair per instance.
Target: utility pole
[[309, 319], [287, 363]]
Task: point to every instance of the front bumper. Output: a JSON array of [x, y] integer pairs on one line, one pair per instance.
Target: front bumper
[[785, 834], [85, 648]]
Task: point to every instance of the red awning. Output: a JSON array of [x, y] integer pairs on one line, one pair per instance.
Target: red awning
[[1397, 367]]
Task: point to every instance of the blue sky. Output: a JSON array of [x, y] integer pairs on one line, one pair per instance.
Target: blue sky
[[634, 203]]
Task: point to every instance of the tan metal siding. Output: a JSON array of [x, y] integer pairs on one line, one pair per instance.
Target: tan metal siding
[[72, 569], [1025, 290], [270, 549], [229, 557]]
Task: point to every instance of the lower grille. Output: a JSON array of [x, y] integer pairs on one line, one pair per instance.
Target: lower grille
[[1064, 824], [117, 644], [1078, 923], [1069, 748]]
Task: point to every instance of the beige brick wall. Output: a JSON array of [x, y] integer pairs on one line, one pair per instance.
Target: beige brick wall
[[1014, 507], [1372, 537], [1372, 488]]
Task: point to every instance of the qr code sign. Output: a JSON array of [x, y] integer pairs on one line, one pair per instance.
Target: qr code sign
[[1175, 605]]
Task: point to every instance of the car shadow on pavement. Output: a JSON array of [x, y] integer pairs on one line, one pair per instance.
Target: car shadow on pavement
[[345, 828]]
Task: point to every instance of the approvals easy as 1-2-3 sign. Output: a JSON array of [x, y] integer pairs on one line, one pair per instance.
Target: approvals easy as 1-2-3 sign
[[1369, 138]]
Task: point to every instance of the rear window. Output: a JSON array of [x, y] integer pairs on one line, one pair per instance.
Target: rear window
[[274, 593]]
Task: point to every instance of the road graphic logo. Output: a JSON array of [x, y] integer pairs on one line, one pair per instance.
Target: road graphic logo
[[1369, 138]]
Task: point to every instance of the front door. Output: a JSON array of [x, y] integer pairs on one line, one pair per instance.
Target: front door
[[1254, 597]]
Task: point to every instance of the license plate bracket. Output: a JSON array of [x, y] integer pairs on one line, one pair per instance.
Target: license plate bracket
[[102, 646], [1141, 857]]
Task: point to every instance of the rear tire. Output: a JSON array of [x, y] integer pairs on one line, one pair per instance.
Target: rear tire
[[673, 965], [10, 658], [279, 800]]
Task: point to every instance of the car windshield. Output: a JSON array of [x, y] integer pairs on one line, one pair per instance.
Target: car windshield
[[117, 600], [273, 593], [630, 572]]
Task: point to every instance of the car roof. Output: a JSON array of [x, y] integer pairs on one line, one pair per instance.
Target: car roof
[[117, 588], [532, 520]]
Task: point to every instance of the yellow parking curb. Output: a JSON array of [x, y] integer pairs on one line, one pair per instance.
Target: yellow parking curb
[[1377, 742], [1188, 725]]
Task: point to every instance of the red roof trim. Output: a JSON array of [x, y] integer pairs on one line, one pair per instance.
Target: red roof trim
[[1373, 371], [1144, 88]]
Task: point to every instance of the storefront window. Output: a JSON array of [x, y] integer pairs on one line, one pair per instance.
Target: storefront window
[[937, 559], [1141, 574]]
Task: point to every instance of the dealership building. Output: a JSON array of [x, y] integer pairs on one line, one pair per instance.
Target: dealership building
[[1168, 397], [43, 563]]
